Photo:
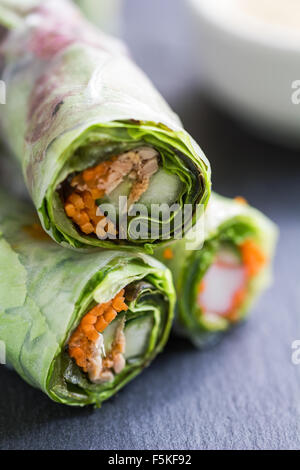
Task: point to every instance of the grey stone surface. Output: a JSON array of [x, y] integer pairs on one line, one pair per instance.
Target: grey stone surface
[[244, 393]]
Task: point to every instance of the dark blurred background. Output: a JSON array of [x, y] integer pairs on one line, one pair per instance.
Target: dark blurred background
[[244, 393]]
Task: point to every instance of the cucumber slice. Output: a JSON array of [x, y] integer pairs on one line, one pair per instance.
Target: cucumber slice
[[109, 334], [164, 188], [122, 190], [137, 333]]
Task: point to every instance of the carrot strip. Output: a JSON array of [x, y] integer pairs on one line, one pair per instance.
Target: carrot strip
[[253, 257], [168, 254], [241, 200]]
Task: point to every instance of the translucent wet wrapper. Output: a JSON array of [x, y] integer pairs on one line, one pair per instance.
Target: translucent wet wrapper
[[105, 14], [87, 126], [218, 283], [78, 327]]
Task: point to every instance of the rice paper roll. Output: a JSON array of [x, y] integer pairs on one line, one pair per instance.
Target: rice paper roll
[[77, 327], [105, 14], [88, 126], [218, 283]]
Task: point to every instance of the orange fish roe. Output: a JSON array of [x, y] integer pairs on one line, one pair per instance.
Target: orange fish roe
[[94, 183], [253, 257], [82, 209], [83, 342], [168, 253]]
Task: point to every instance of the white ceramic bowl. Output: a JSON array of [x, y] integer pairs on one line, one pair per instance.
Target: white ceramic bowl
[[251, 64]]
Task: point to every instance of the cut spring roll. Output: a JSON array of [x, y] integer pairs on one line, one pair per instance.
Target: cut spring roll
[[77, 327], [88, 127], [217, 284]]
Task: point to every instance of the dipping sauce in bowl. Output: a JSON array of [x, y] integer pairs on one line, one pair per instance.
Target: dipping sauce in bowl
[[280, 13], [247, 54]]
